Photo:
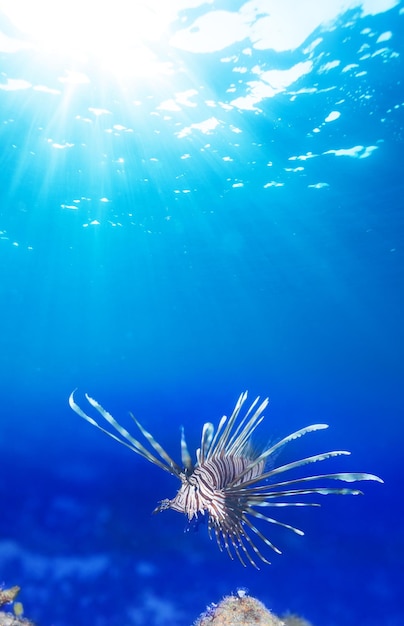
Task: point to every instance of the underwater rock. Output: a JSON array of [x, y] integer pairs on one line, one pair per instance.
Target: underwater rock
[[8, 619], [246, 611]]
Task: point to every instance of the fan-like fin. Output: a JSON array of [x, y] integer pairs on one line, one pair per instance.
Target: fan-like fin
[[261, 536], [185, 456], [266, 453], [174, 468], [289, 466], [215, 438], [260, 500], [206, 440], [270, 520], [349, 477], [222, 440], [244, 430], [244, 537], [131, 443]]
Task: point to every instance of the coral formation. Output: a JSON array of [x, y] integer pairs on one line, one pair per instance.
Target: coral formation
[[12, 619], [244, 610], [240, 609], [294, 620]]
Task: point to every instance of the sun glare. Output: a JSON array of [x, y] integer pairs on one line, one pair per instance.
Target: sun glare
[[117, 34]]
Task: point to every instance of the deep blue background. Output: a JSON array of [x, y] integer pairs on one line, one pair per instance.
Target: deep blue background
[[172, 305]]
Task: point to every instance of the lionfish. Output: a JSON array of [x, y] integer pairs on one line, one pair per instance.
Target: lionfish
[[231, 479]]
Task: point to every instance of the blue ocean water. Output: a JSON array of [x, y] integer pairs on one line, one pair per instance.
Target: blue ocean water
[[213, 209]]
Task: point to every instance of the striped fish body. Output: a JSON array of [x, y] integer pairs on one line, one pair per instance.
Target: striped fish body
[[204, 490]]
